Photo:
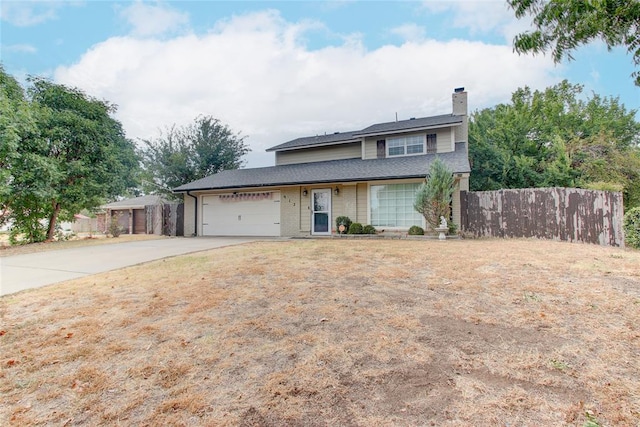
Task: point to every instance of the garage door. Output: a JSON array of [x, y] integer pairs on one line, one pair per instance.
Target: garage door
[[241, 214]]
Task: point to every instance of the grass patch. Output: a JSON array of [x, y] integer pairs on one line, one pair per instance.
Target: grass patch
[[77, 242], [326, 332]]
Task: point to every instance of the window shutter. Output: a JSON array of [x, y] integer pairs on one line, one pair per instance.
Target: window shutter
[[382, 149]]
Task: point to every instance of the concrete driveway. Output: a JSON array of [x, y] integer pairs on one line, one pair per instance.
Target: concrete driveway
[[29, 271]]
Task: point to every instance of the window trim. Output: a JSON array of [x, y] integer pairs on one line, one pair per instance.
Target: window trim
[[390, 141]]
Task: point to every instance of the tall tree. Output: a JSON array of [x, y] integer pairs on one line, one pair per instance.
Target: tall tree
[[65, 153], [564, 25], [188, 153], [17, 123], [556, 138], [92, 159]]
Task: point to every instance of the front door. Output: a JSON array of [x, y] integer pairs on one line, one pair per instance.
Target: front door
[[321, 212]]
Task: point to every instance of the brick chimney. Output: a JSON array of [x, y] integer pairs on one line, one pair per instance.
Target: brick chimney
[[459, 101]]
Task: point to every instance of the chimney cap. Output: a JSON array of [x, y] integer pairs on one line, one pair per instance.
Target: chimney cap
[[459, 89]]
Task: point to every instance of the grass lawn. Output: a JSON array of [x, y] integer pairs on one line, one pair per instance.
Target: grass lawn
[[334, 332], [80, 241]]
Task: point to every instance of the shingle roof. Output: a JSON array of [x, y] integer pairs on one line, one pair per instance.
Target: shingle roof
[[349, 170], [377, 129], [136, 202], [338, 137], [408, 125]]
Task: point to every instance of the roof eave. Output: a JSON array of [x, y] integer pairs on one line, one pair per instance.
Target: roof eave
[[310, 182], [345, 141]]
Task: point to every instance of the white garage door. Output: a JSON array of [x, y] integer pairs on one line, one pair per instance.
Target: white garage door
[[241, 214]]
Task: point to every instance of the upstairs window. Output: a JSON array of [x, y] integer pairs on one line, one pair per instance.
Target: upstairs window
[[405, 146]]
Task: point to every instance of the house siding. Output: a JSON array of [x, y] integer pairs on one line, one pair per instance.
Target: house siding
[[362, 204], [295, 209], [295, 218], [189, 212], [352, 150], [371, 148], [350, 202], [463, 185], [290, 211]]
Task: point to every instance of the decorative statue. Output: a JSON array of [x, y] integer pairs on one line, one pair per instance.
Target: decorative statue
[[443, 222]]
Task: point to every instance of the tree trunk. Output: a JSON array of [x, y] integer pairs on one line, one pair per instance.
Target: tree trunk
[[52, 220]]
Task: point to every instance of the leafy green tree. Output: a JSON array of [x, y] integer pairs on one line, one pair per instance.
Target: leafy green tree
[[61, 152], [91, 158], [433, 198], [556, 138], [16, 123], [188, 153], [631, 226], [564, 25]]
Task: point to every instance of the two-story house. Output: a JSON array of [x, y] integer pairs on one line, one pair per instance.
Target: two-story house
[[370, 175]]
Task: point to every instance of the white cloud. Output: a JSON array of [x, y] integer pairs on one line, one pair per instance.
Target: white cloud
[[255, 74], [26, 13], [23, 48], [153, 20], [409, 32], [481, 16]]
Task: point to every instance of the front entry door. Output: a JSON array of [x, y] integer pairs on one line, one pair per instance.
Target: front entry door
[[321, 212]]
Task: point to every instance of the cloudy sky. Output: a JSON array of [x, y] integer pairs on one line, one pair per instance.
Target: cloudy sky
[[274, 71]]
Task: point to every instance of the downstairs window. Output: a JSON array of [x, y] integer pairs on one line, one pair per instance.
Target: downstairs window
[[392, 205]]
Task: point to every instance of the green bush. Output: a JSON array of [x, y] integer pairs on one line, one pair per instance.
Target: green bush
[[369, 229], [355, 228], [114, 226], [343, 220], [453, 228], [416, 231], [631, 226]]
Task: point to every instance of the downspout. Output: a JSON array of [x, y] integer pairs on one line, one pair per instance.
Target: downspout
[[195, 216]]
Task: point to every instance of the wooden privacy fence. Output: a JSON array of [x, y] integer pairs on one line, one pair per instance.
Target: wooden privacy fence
[[166, 219], [570, 214]]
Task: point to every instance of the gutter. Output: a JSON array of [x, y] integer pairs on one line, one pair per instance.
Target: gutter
[[195, 216]]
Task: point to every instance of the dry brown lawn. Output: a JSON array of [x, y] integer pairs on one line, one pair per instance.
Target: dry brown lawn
[[80, 241], [334, 332]]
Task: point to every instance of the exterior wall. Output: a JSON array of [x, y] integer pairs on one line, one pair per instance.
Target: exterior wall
[[295, 208], [463, 185], [295, 214], [371, 148], [333, 152], [362, 204], [459, 101], [290, 211], [443, 139], [189, 212], [349, 194]]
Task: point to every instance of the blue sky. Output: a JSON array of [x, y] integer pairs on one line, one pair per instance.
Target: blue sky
[[274, 71]]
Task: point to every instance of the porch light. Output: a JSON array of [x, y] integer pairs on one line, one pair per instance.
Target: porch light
[[304, 192], [336, 191]]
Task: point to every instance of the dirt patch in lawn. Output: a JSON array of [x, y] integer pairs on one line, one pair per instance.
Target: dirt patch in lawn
[[315, 333]]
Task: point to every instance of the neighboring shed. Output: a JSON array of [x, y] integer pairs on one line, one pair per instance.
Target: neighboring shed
[[140, 215]]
